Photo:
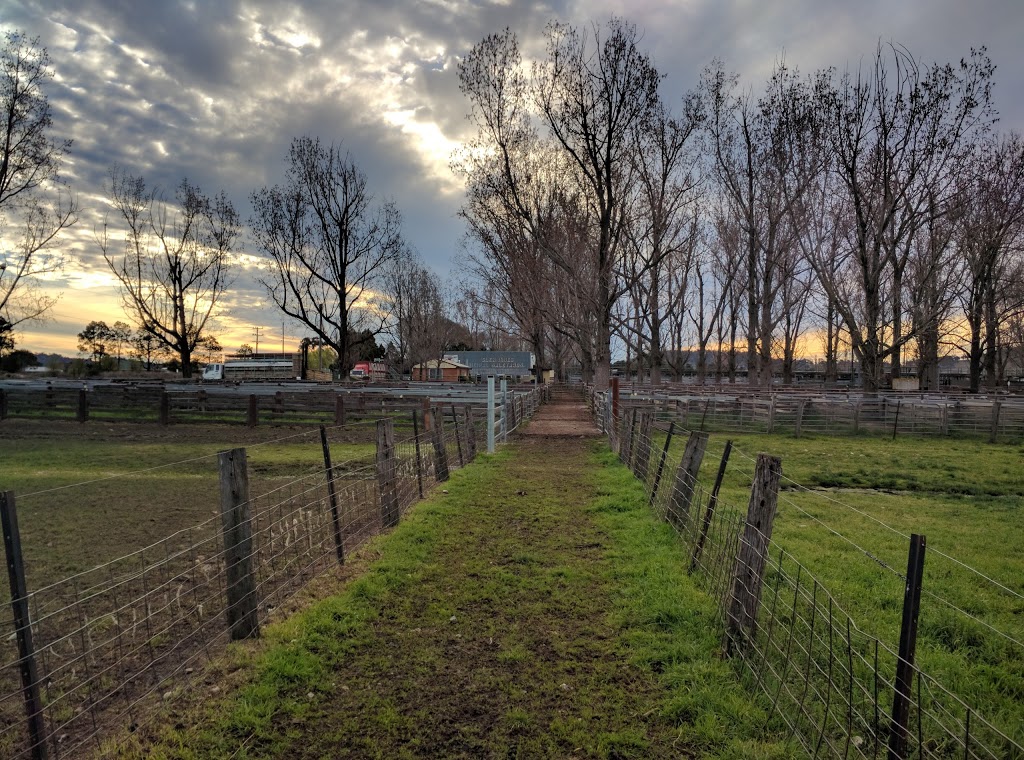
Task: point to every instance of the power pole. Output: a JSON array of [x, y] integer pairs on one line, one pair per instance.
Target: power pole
[[256, 332]]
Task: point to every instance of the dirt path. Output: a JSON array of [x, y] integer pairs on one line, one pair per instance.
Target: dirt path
[[503, 646]]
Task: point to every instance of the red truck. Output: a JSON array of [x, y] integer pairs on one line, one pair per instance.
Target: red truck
[[371, 372]]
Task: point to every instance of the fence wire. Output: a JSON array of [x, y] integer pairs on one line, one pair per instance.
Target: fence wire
[[114, 640], [832, 683]]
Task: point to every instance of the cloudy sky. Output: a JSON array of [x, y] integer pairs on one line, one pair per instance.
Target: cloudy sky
[[215, 90]]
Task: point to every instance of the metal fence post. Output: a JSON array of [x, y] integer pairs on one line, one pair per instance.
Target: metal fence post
[[748, 571], [504, 410], [386, 473], [490, 414], [23, 626], [709, 513], [339, 544], [236, 522], [908, 646], [661, 463]]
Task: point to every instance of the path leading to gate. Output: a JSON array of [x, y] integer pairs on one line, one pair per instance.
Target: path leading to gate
[[533, 608]]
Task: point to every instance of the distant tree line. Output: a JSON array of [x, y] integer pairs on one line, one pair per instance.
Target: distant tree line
[[875, 207], [874, 210]]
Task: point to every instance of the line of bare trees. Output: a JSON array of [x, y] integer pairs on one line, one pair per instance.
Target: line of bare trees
[[874, 211]]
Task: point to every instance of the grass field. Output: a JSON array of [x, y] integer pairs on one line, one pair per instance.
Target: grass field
[[846, 507], [534, 609]]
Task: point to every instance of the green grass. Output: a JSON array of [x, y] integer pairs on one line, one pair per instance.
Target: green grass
[[966, 497], [535, 610]]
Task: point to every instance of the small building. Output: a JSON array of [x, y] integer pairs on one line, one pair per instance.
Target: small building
[[443, 371]]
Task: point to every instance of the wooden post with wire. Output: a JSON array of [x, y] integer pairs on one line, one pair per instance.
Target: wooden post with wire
[[419, 458], [440, 450], [252, 415], [332, 496], [748, 570], [389, 509], [686, 480], [709, 513], [236, 523], [458, 436], [23, 626], [642, 457], [468, 422]]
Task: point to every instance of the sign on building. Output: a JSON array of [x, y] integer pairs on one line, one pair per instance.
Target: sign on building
[[483, 363]]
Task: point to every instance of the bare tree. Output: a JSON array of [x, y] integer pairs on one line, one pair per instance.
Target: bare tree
[[990, 238], [595, 92], [763, 166], [899, 134], [661, 228], [34, 203], [174, 266], [328, 246], [421, 309]]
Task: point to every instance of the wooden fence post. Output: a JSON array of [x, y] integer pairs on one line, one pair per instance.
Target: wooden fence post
[[748, 571], [856, 418], [440, 452], [165, 408], [908, 645], [458, 436], [686, 480], [339, 410], [800, 417], [709, 514], [427, 415], [643, 446], [252, 411], [771, 417], [996, 408], [386, 473], [339, 544], [3, 404], [236, 523], [23, 626], [419, 458], [82, 412], [470, 432]]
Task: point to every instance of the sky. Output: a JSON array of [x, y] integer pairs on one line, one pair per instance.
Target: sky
[[214, 91]]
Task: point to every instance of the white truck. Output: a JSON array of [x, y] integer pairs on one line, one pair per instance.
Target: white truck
[[250, 369]]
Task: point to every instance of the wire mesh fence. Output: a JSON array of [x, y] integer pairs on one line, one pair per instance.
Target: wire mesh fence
[[835, 685], [997, 418], [107, 643]]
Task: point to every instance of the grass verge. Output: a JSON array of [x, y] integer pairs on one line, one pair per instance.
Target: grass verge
[[537, 609]]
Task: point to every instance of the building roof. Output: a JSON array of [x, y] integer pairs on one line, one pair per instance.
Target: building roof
[[442, 364]]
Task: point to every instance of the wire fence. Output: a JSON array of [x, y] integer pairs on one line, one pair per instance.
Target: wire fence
[[839, 689], [995, 417], [89, 654]]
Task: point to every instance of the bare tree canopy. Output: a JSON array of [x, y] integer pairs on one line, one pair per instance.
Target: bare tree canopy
[[34, 204], [327, 245], [174, 265]]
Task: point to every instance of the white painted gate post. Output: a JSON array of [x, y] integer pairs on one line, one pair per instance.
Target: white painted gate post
[[490, 414]]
